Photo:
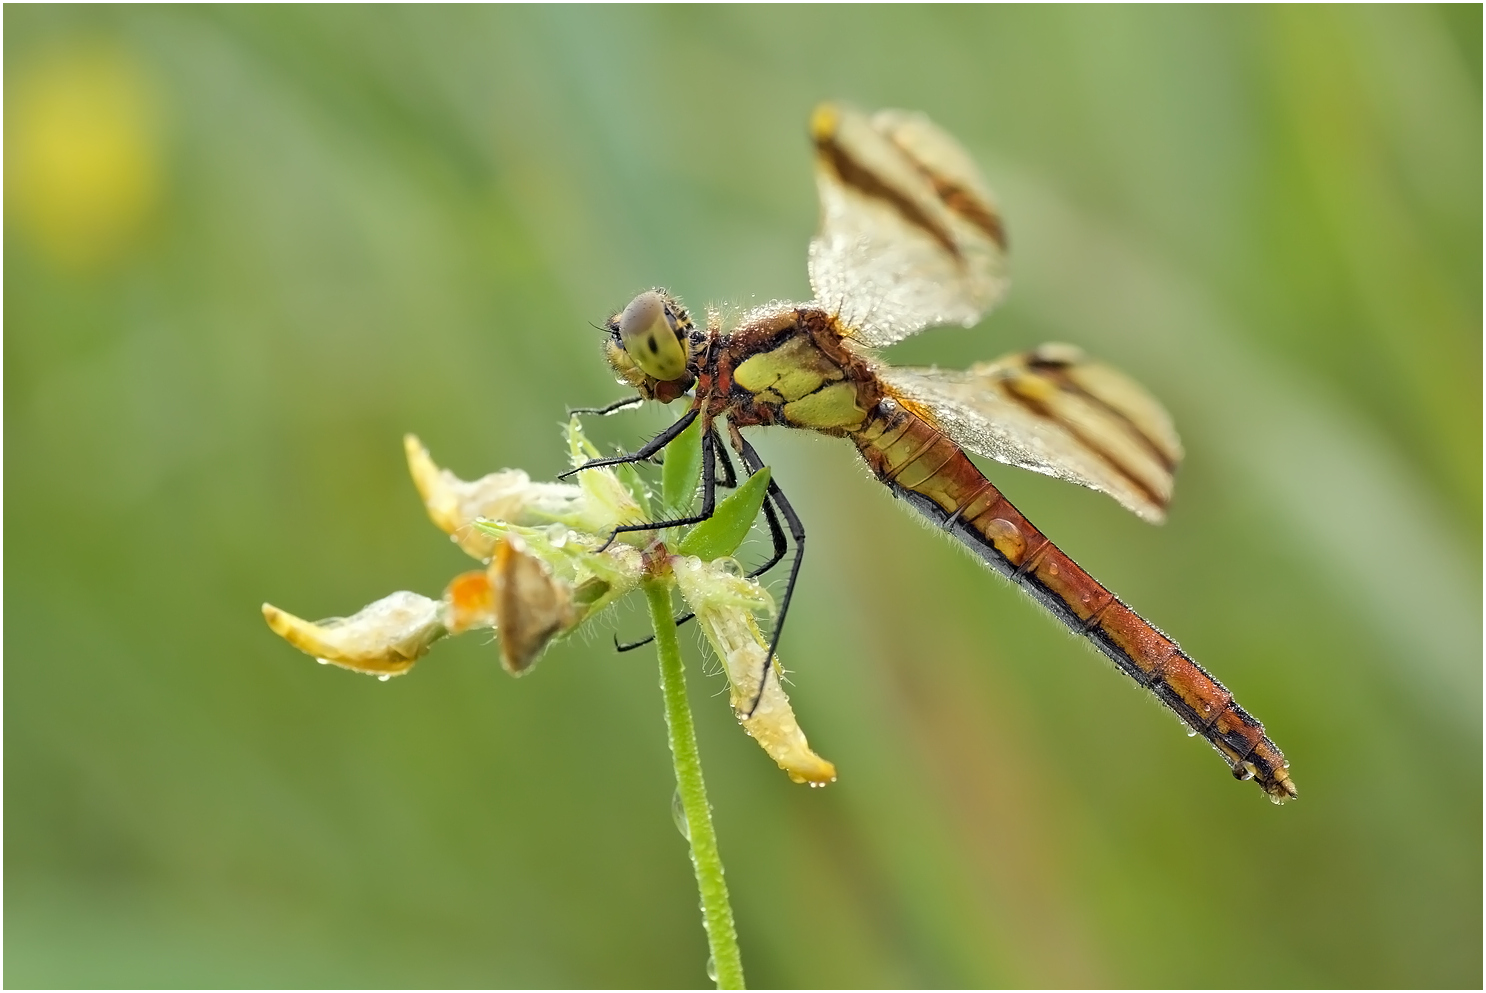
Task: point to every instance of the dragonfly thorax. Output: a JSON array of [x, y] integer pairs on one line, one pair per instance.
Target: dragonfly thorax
[[653, 346]]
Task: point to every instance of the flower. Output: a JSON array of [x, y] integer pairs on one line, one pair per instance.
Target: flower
[[543, 577], [725, 604], [382, 639]]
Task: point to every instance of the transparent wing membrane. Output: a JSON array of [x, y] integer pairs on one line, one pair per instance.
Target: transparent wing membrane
[[1053, 411], [909, 235]]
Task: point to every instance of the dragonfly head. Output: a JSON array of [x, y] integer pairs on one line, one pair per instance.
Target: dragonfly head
[[653, 346]]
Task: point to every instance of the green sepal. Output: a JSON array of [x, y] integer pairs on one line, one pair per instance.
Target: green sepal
[[683, 467], [591, 592], [580, 450], [721, 534], [485, 525]]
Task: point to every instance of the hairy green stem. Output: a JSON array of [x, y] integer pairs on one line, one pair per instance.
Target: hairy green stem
[[717, 912]]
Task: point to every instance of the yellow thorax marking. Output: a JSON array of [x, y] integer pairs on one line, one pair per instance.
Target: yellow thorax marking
[[793, 370], [829, 407]]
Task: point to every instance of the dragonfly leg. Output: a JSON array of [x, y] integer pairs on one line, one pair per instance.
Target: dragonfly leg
[[753, 463], [612, 408], [729, 474], [648, 449], [709, 489], [629, 646], [776, 532]]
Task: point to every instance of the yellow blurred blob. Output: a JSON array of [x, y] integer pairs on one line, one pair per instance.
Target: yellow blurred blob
[[82, 159]]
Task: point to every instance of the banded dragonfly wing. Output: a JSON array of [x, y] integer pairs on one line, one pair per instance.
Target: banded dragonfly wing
[[1054, 411], [909, 234]]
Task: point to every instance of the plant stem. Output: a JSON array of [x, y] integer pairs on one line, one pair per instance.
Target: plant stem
[[717, 912]]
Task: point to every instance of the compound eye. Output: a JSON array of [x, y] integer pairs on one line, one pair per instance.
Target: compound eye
[[650, 339]]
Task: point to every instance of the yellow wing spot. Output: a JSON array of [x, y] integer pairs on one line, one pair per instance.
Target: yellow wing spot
[[824, 121]]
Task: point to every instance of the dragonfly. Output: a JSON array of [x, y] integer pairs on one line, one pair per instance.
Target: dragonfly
[[910, 237]]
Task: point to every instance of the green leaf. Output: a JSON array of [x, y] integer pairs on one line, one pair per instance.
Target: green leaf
[[678, 477], [724, 531]]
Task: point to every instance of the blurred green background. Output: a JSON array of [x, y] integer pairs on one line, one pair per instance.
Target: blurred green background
[[246, 248]]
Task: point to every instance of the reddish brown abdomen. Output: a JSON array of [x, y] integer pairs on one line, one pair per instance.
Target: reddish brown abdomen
[[932, 473]]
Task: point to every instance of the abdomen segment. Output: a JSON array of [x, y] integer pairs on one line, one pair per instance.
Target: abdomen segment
[[932, 473]]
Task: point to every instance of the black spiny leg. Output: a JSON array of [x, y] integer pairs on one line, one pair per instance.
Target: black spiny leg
[[776, 533], [709, 475], [729, 474], [612, 408], [646, 450], [753, 464]]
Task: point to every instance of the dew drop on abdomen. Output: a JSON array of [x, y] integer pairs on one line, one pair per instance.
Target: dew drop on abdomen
[[1008, 538]]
